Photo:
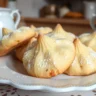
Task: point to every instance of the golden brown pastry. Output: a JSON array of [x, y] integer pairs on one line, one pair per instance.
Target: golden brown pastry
[[92, 42], [5, 31], [32, 27], [84, 62], [48, 57], [43, 30], [85, 37], [59, 32], [21, 49], [89, 40], [15, 39]]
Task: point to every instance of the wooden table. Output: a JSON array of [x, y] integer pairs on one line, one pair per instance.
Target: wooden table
[[76, 26]]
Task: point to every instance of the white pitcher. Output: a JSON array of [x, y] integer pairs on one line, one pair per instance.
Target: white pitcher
[[89, 9], [6, 19]]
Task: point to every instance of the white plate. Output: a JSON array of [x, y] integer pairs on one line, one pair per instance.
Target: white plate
[[13, 73]]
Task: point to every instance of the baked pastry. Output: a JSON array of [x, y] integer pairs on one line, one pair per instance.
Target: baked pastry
[[84, 62], [32, 27], [48, 57], [5, 31], [15, 39], [43, 30], [85, 37], [59, 32], [21, 49], [89, 40]]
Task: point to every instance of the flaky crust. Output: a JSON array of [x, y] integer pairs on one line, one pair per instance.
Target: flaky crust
[[59, 32], [84, 62], [48, 57], [21, 49], [15, 39]]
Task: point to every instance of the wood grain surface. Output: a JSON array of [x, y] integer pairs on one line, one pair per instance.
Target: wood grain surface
[[76, 26]]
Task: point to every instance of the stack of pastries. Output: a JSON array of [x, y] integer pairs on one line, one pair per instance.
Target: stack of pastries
[[45, 52]]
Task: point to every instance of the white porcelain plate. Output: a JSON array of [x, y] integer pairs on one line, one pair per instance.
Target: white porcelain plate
[[13, 73]]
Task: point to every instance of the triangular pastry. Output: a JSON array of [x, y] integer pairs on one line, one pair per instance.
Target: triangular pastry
[[32, 27], [59, 32], [84, 62], [21, 49], [89, 40], [43, 30], [5, 31], [15, 39], [48, 57]]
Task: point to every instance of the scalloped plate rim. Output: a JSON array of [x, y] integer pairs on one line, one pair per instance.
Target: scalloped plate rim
[[48, 88]]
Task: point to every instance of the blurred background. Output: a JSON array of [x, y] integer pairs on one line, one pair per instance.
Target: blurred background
[[74, 15]]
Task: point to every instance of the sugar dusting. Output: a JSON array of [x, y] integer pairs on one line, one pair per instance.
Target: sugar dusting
[[92, 53], [28, 66], [74, 62], [89, 61], [86, 60]]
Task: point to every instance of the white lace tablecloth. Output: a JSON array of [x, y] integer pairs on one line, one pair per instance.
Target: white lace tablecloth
[[6, 90]]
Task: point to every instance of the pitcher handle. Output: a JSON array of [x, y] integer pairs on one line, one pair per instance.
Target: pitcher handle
[[92, 21], [17, 19]]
